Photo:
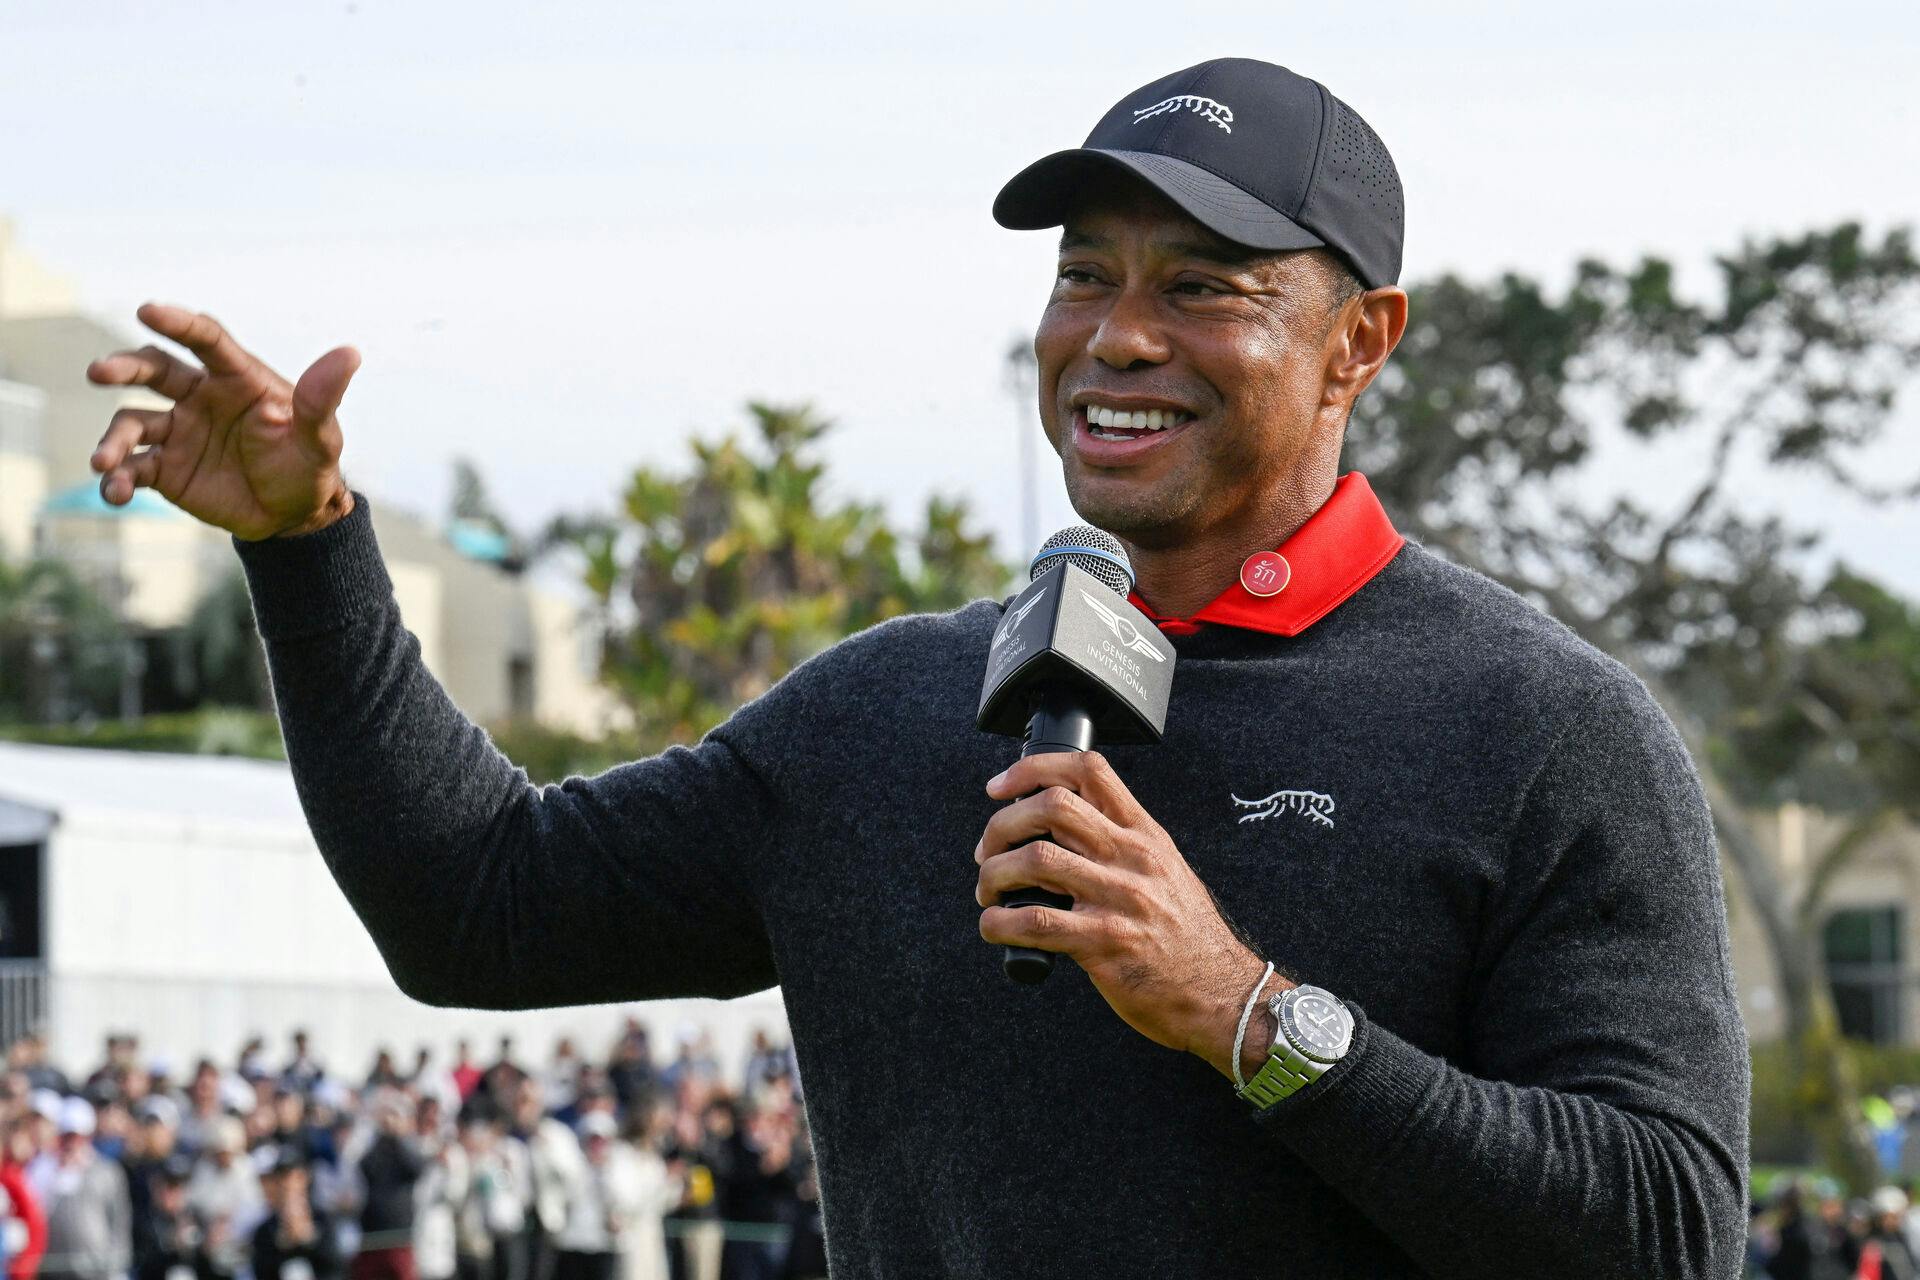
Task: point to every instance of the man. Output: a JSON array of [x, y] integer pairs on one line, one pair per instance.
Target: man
[[389, 1169], [89, 1219], [293, 1128], [295, 1241], [1477, 842], [150, 1151], [466, 1073], [225, 1193], [207, 1112], [23, 1221], [430, 1080], [438, 1195], [754, 1181], [552, 1163], [169, 1238], [303, 1071], [614, 1191]]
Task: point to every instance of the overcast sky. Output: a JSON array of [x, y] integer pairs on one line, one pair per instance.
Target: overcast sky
[[564, 235]]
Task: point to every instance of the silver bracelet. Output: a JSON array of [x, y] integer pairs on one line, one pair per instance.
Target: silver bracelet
[[1240, 1032]]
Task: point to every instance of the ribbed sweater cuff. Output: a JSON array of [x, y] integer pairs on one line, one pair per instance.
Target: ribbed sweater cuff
[[1343, 1124], [317, 582]]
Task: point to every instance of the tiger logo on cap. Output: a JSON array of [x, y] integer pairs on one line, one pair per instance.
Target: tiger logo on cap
[[1218, 112]]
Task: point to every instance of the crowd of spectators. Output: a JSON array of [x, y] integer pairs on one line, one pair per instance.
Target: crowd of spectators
[[1809, 1230], [618, 1167]]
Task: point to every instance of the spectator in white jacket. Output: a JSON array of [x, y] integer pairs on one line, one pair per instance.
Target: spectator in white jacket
[[552, 1169], [643, 1245], [612, 1193], [89, 1219], [437, 1196]]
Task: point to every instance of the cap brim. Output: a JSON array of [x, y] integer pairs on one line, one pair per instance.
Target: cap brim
[[1045, 192]]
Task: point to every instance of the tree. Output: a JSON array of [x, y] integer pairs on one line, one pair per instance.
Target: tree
[[1475, 436], [216, 655], [472, 501], [1835, 720], [714, 583], [63, 652]]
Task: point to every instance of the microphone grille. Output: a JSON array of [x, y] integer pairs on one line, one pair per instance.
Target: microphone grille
[[1095, 550]]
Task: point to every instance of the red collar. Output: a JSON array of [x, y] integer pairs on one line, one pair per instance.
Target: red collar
[[1331, 556]]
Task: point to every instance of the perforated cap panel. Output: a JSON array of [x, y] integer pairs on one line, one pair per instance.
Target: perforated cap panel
[[1095, 550], [1358, 160], [1355, 201]]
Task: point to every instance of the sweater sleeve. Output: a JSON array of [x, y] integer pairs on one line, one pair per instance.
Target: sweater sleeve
[[1599, 1124], [479, 889]]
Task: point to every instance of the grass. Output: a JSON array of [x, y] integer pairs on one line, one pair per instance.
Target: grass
[[210, 731]]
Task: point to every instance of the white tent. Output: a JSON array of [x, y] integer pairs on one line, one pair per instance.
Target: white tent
[[182, 898]]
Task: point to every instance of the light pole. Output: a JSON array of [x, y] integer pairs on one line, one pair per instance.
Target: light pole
[[42, 621], [1021, 380]]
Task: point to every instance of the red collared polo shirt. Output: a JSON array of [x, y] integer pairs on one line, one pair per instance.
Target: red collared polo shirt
[[1331, 556]]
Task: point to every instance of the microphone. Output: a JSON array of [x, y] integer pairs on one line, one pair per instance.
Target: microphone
[[1072, 662]]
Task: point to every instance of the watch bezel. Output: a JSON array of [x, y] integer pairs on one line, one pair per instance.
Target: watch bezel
[[1286, 1023]]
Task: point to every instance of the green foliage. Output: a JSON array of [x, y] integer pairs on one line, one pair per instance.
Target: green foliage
[[1474, 433], [212, 731], [216, 655], [1498, 388], [716, 582], [1779, 1117], [472, 502], [62, 650], [1832, 716], [553, 755]]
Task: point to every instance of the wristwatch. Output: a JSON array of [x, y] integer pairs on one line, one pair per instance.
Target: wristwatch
[[1312, 1030]]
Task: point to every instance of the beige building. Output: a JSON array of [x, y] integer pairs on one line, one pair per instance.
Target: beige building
[[503, 645], [23, 468], [1869, 926]]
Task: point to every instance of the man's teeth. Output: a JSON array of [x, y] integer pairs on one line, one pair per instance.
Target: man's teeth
[[1137, 420]]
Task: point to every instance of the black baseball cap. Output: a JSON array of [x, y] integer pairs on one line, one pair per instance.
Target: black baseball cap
[[1253, 152]]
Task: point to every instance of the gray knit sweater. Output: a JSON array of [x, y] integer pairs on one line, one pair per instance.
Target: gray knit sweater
[[1512, 877]]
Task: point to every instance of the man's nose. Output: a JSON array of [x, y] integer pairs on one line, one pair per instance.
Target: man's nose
[[1128, 334]]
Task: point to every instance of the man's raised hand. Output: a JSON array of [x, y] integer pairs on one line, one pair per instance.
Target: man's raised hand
[[241, 448]]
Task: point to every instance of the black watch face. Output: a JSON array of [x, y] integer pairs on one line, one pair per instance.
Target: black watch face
[[1318, 1024]]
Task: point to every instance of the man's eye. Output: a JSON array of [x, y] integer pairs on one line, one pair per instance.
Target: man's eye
[[1076, 275], [1195, 288]]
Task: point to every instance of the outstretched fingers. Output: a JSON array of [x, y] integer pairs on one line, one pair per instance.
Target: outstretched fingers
[[129, 429], [321, 388], [199, 333], [139, 471], [149, 367]]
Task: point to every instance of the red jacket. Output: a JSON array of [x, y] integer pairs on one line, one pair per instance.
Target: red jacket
[[26, 1263]]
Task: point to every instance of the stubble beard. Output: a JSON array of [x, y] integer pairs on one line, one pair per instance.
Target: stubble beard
[[1147, 515]]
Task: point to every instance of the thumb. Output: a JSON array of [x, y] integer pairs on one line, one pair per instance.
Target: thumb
[[320, 389]]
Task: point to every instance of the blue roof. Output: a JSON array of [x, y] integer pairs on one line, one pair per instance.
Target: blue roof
[[478, 542], [85, 500]]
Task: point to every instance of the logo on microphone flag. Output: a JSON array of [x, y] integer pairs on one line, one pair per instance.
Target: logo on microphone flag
[[1011, 623], [1123, 629]]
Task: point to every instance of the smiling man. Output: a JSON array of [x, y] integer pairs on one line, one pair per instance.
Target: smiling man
[[1404, 953]]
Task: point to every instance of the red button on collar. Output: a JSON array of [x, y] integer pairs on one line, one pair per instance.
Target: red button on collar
[[1266, 573]]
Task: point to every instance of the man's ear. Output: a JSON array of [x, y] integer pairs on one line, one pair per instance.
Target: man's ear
[[1367, 331]]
